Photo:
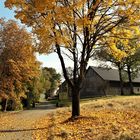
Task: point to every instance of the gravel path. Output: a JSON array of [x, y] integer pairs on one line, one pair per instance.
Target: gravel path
[[20, 125]]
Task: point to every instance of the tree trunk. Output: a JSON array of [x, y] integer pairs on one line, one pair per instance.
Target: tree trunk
[[28, 103], [75, 103], [33, 104], [121, 80], [4, 104], [130, 80]]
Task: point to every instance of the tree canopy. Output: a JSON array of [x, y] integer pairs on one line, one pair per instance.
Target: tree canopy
[[52, 80], [18, 63]]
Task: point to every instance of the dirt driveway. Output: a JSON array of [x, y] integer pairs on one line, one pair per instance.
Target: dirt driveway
[[20, 125]]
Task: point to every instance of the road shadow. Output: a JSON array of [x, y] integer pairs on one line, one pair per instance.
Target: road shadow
[[21, 130], [84, 118]]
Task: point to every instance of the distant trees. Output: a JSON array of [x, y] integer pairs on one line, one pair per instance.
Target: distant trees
[[34, 88], [52, 81]]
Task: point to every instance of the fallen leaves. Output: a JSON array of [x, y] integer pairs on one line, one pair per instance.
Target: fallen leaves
[[103, 123], [114, 119]]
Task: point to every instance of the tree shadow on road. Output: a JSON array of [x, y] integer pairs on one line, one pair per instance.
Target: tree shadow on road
[[21, 130]]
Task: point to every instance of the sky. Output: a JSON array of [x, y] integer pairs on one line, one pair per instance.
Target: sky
[[50, 60]]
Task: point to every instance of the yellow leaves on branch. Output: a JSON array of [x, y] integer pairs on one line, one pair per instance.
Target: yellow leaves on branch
[[21, 16], [55, 20], [117, 53], [123, 41], [47, 5]]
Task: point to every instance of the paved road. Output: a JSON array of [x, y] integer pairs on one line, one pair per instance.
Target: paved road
[[21, 124]]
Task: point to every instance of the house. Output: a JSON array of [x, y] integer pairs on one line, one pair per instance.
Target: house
[[102, 82]]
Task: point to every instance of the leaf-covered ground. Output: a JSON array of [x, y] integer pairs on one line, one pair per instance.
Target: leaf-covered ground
[[103, 119], [20, 125], [110, 119]]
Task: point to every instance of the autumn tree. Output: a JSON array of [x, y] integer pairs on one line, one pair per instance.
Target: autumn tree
[[18, 63], [74, 26], [34, 87], [123, 51]]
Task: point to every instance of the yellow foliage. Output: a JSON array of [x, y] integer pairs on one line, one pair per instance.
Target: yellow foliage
[[18, 62], [45, 15], [122, 42]]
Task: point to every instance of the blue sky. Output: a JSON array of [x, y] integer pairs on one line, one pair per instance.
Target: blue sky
[[4, 12], [47, 60]]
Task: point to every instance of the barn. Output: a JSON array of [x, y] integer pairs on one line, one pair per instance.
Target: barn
[[102, 81]]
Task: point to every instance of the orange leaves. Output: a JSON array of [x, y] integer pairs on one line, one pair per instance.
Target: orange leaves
[[47, 5], [9, 3], [117, 121], [104, 122], [95, 5], [18, 63], [117, 53], [22, 16]]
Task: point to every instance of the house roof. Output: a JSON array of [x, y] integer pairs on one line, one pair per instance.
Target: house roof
[[111, 74]]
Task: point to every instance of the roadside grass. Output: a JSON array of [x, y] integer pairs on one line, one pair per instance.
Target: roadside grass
[[67, 103], [88, 99], [53, 101], [60, 103], [116, 118]]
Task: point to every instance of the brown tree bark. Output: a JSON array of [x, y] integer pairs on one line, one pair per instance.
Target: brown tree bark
[[121, 79], [75, 102], [33, 104], [73, 84], [4, 104]]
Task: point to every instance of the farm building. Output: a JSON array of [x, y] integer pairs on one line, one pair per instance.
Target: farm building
[[101, 82]]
